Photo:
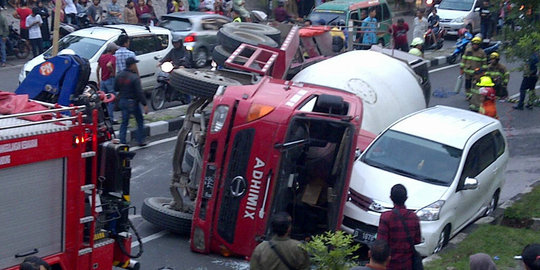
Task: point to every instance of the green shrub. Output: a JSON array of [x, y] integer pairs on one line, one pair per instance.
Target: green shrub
[[332, 250]]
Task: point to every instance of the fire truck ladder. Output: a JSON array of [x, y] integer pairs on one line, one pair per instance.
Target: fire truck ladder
[[259, 61]]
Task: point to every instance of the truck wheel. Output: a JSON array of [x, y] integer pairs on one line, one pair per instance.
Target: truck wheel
[[231, 38], [156, 211], [263, 29], [198, 83], [220, 55]]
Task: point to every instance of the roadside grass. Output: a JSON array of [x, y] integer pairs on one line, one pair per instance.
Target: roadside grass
[[526, 207], [495, 240]]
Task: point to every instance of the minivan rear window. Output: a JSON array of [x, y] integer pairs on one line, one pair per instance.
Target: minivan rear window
[[176, 24], [85, 47], [463, 5], [325, 17]]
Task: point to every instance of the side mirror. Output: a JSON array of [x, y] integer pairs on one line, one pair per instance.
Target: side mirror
[[470, 183], [477, 9]]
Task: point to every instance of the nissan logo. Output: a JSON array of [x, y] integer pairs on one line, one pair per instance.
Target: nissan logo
[[238, 186]]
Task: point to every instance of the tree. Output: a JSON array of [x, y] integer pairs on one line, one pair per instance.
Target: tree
[[332, 250]]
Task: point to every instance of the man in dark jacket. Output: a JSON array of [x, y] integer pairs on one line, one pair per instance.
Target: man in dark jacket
[[281, 252], [128, 86]]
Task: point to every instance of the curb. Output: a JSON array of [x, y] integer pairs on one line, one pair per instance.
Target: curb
[[155, 128], [437, 61]]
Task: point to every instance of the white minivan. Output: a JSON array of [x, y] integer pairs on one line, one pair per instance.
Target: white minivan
[[451, 161], [457, 14]]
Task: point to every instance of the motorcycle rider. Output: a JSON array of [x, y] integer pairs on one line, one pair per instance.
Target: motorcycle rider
[[179, 57], [499, 74], [473, 58], [434, 24]]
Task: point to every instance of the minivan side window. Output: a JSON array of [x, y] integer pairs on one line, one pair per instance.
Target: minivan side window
[[162, 42], [142, 45], [500, 145], [480, 156]]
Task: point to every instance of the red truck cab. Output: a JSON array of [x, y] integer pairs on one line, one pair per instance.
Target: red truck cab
[[271, 147]]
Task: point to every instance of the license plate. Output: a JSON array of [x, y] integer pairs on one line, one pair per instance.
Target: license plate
[[364, 237]]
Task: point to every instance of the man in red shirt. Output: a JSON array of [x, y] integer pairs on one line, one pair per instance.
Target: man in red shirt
[[399, 33], [21, 13], [391, 230], [106, 72]]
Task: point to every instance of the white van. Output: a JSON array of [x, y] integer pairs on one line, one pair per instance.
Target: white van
[[457, 14]]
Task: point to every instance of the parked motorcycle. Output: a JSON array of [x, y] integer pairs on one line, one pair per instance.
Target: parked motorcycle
[[82, 22], [164, 92], [465, 39], [16, 45]]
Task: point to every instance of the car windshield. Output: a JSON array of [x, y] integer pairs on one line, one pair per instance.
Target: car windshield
[[176, 24], [463, 5], [85, 47], [414, 157], [325, 17]]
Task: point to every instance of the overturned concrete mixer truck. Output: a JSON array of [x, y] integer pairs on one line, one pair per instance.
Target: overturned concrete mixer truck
[[280, 145]]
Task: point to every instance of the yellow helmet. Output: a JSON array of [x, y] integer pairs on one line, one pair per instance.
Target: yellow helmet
[[494, 55], [415, 51], [476, 40], [485, 81]]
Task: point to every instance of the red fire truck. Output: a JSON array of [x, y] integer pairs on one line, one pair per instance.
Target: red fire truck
[[64, 186]]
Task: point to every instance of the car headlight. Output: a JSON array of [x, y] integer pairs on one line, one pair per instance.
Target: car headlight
[[198, 239], [430, 212], [218, 120], [167, 67], [458, 20]]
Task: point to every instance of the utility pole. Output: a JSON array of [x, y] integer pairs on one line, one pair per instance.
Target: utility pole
[[56, 30]]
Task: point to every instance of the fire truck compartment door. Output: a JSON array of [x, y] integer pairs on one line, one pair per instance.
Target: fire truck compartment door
[[31, 211]]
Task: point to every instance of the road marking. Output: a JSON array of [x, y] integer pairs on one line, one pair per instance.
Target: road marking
[[135, 148], [443, 68], [150, 238]]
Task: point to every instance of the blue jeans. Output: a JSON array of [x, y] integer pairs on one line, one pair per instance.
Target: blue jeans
[[107, 86], [131, 107], [2, 50], [484, 29]]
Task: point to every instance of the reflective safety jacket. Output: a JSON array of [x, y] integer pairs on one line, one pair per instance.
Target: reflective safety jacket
[[473, 59], [499, 74]]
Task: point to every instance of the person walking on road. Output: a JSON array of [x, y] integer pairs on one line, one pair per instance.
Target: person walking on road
[[499, 74], [528, 84], [399, 33], [474, 58], [399, 228], [281, 252], [4, 33], [129, 88], [34, 22], [420, 25], [379, 256], [106, 72], [122, 53]]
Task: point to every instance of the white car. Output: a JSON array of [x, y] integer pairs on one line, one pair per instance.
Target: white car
[[457, 14], [148, 43], [452, 163]]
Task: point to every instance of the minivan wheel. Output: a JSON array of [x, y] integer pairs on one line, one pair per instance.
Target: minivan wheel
[[492, 204], [443, 239]]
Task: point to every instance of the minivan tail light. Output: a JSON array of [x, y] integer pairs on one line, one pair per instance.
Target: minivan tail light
[[257, 111], [190, 38]]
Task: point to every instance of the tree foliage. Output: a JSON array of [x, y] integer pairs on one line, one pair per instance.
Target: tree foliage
[[332, 250]]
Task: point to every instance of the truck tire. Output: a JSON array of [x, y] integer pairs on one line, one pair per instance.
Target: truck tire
[[198, 83], [263, 29], [220, 55], [155, 211], [231, 38]]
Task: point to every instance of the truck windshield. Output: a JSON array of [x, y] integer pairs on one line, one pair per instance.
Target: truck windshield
[[325, 17], [463, 5], [414, 157], [84, 47]]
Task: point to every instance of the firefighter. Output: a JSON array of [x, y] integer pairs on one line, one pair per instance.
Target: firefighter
[[487, 93], [417, 44], [473, 58], [499, 75]]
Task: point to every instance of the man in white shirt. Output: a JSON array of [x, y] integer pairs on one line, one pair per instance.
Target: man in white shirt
[[33, 23]]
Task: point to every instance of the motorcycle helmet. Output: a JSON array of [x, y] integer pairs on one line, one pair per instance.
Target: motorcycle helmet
[[462, 31], [487, 92], [417, 41], [494, 55], [476, 40]]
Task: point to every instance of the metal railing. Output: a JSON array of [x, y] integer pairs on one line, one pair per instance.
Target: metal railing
[[55, 111]]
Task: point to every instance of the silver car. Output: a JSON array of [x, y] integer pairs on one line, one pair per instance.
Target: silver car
[[198, 31]]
